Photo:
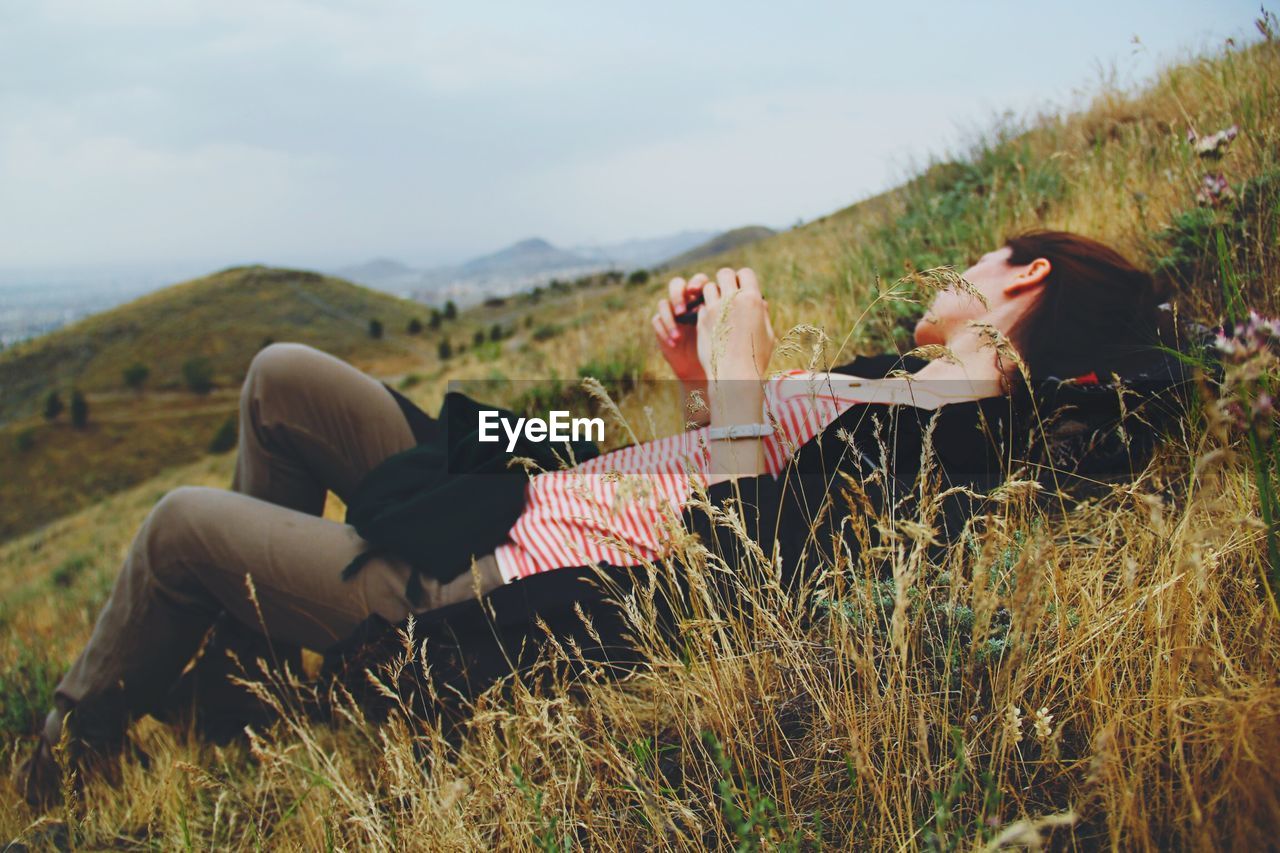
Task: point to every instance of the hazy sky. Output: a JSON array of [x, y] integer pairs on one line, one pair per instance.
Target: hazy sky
[[320, 133]]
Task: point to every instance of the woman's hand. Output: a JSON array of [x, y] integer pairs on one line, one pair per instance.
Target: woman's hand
[[679, 343], [735, 338]]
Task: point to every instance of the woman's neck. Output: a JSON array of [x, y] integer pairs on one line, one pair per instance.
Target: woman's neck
[[971, 362]]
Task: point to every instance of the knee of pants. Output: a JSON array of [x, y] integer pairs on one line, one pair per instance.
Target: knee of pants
[[172, 533], [278, 367]]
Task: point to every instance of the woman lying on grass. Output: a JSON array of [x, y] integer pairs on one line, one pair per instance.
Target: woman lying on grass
[[261, 567]]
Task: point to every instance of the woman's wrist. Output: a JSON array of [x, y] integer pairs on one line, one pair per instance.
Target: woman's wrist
[[735, 401], [696, 402], [745, 407]]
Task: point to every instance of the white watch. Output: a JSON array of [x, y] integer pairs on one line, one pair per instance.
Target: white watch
[[735, 431]]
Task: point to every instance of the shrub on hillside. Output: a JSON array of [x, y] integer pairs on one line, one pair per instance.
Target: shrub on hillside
[[197, 372], [1226, 245], [52, 406], [450, 310], [25, 439], [547, 331], [445, 350], [638, 277], [79, 410], [226, 436], [433, 321], [616, 373], [414, 327], [69, 571], [375, 329], [136, 375]]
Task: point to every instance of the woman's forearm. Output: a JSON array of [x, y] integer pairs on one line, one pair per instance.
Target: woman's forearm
[[736, 402]]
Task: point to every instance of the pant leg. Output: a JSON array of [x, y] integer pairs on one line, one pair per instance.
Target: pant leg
[[188, 564], [309, 422]]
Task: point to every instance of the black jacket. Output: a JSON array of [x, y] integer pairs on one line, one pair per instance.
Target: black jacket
[[450, 498]]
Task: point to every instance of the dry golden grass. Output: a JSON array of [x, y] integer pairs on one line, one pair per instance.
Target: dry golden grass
[[909, 714]]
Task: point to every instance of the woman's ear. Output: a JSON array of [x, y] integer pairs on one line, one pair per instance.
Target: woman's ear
[[1030, 278]]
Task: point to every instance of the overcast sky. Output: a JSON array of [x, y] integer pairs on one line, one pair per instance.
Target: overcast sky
[[320, 133]]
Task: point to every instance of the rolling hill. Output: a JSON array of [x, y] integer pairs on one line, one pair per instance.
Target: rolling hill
[[719, 245], [52, 468], [224, 317]]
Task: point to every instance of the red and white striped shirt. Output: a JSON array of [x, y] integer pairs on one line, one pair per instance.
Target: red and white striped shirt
[[617, 507]]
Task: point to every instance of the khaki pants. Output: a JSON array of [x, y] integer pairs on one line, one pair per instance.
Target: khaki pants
[[309, 422]]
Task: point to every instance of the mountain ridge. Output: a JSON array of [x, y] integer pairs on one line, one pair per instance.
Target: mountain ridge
[[518, 266]]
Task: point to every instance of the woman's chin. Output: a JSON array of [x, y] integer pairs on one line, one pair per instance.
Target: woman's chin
[[928, 332]]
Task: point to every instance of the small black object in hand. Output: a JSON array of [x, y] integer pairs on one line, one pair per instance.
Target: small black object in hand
[[689, 316]]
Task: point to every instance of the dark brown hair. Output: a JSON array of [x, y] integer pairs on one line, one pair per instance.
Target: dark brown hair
[[1094, 306]]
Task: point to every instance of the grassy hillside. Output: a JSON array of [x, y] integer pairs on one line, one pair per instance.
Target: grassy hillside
[[131, 435], [224, 317], [718, 245], [1103, 677]]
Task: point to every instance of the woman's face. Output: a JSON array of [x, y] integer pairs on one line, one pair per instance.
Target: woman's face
[[1001, 284]]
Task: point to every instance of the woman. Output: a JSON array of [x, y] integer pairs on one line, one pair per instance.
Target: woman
[[309, 423]]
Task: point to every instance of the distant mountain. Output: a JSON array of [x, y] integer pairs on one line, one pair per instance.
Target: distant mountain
[[635, 254], [521, 259], [716, 245], [520, 266], [382, 273]]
